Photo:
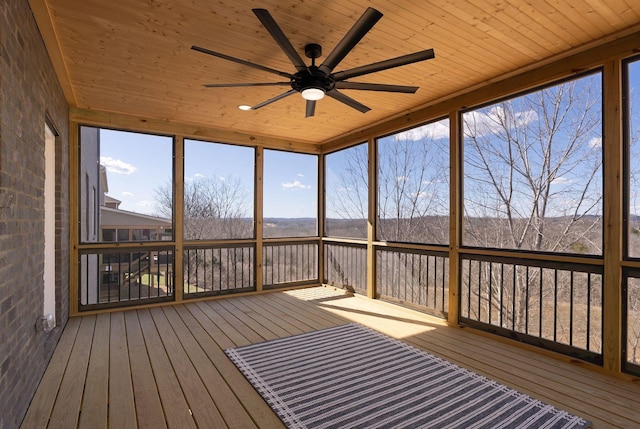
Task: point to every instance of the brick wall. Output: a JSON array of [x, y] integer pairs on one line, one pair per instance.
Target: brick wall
[[30, 95]]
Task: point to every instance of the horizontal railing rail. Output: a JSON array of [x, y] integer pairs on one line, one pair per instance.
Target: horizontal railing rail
[[414, 277], [556, 305]]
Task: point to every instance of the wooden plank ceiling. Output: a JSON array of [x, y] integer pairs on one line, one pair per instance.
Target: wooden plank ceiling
[[134, 57]]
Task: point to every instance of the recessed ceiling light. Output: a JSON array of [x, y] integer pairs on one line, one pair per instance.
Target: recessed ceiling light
[[244, 107]]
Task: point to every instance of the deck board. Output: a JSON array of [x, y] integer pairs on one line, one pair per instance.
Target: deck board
[[201, 405], [122, 413], [66, 410], [166, 366], [149, 411], [176, 408], [93, 414], [43, 401], [231, 411]]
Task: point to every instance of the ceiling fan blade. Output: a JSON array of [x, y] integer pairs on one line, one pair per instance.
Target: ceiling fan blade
[[348, 101], [276, 98], [234, 85], [239, 61], [351, 39], [311, 108], [385, 65], [376, 87], [276, 32]]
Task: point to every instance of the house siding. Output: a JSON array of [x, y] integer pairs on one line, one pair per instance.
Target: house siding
[[30, 96]]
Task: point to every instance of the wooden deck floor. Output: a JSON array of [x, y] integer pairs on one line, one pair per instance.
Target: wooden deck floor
[[165, 367]]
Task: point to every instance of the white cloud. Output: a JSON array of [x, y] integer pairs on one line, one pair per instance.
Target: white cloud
[[127, 194], [561, 181], [402, 179], [144, 203], [432, 182], [300, 175], [199, 175], [117, 166], [295, 184], [480, 123], [595, 142], [434, 131]]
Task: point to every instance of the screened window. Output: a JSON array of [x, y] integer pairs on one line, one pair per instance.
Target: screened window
[[346, 197], [127, 171], [631, 291], [290, 194], [633, 142], [143, 235], [218, 191], [123, 235], [533, 170], [413, 185]]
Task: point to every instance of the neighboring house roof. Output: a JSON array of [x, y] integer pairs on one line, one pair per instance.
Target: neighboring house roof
[[104, 182], [111, 202], [110, 217]]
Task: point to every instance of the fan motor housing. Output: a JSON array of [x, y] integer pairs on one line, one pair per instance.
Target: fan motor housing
[[312, 78]]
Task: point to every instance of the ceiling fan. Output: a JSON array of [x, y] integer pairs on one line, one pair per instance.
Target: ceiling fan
[[314, 82]]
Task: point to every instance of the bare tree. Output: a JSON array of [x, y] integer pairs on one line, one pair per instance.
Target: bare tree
[[533, 167], [214, 208], [413, 187], [633, 228], [349, 196], [634, 175], [633, 321], [413, 206], [533, 181]]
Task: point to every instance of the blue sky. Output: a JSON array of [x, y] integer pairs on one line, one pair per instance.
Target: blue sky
[[139, 163], [136, 164]]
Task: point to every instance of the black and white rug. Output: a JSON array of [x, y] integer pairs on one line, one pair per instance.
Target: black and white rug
[[352, 377]]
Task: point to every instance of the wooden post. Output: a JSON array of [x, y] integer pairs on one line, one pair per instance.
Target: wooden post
[[74, 204], [613, 212], [258, 215], [372, 218], [455, 197], [178, 214], [321, 213]]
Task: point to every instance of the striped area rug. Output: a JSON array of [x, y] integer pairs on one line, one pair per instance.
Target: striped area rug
[[353, 377]]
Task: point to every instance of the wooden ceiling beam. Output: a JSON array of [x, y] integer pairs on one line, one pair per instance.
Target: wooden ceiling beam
[[167, 127]]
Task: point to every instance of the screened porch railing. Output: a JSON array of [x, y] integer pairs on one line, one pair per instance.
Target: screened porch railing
[[285, 263], [218, 269], [415, 277], [120, 277], [346, 266], [550, 304], [631, 320]]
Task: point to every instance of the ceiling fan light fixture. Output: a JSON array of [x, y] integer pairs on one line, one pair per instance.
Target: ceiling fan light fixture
[[244, 107], [314, 82], [312, 94]]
